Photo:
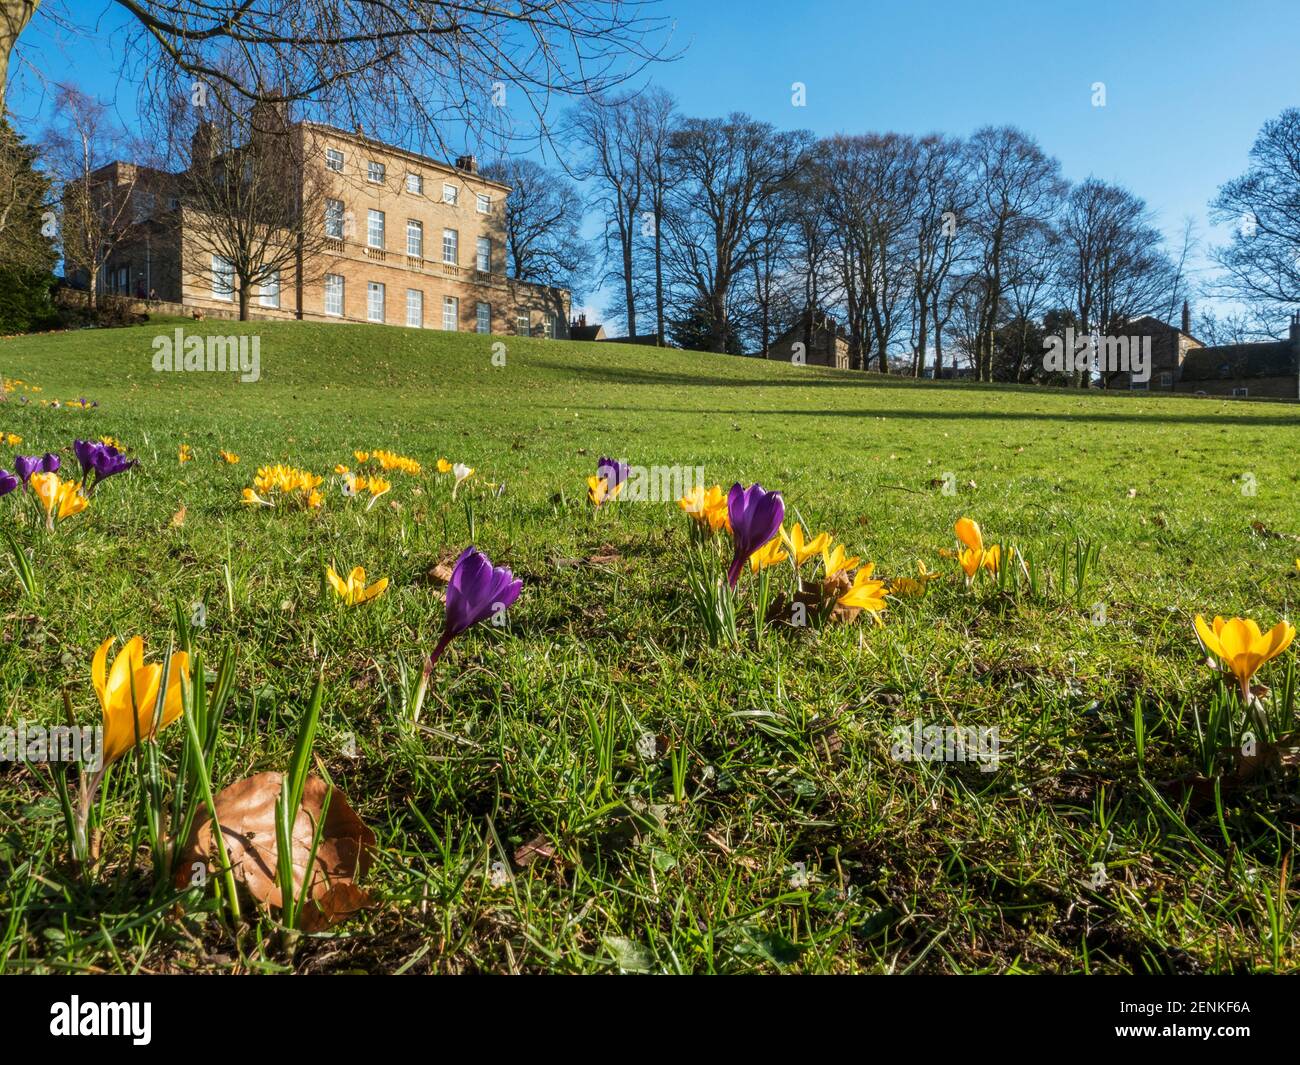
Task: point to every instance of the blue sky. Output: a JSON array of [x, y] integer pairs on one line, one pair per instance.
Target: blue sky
[[1187, 84]]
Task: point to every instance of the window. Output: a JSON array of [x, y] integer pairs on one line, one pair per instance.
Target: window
[[1241, 391], [334, 294], [334, 219], [1139, 386], [223, 279], [414, 184], [414, 308], [450, 246], [375, 301], [484, 263], [450, 313], [484, 203], [334, 160], [550, 327], [270, 293], [415, 238], [375, 229], [1167, 380], [450, 194], [483, 317], [522, 326], [376, 171]]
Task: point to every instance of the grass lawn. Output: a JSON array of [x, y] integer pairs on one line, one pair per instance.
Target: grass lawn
[[592, 786]]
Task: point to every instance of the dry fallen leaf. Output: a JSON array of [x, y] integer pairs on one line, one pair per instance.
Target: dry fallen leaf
[[178, 518], [246, 811], [536, 849]]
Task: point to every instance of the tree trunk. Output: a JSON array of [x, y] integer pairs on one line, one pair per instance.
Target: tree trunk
[[659, 276], [14, 17], [938, 341], [243, 300]]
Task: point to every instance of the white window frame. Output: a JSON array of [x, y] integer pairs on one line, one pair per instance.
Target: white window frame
[[376, 172], [451, 194], [372, 216], [335, 216], [523, 325], [451, 313], [374, 288], [482, 317], [415, 320], [1241, 391], [483, 255], [451, 246], [415, 228], [483, 203], [268, 293], [223, 267], [548, 326], [334, 289], [414, 183], [332, 156], [1166, 379]]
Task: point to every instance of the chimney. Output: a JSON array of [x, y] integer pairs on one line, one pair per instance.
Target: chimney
[[202, 143], [467, 163], [1187, 319], [1295, 328]]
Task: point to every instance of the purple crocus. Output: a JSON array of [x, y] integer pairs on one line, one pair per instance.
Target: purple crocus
[[104, 459], [614, 471], [477, 590], [26, 465], [756, 516], [8, 482]]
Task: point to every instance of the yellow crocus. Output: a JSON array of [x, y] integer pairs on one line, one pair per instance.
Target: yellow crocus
[[60, 499], [836, 562], [253, 499], [361, 456], [128, 694], [444, 466], [770, 554], [229, 458], [1241, 647], [597, 490], [976, 555], [802, 551], [354, 590], [865, 594], [184, 453], [13, 439]]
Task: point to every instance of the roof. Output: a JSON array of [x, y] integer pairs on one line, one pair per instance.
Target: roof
[[405, 153], [1270, 359], [586, 332], [1150, 322]]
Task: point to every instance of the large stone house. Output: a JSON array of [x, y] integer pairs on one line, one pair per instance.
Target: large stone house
[[408, 240]]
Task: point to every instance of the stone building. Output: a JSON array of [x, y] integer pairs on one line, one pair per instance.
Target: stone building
[[408, 240], [821, 342]]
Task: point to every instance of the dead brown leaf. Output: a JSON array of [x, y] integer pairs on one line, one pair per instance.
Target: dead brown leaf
[[246, 812], [178, 519], [536, 849]]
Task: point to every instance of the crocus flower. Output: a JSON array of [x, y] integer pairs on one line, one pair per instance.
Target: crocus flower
[[61, 499], [476, 591], [976, 554], [598, 491], [614, 471], [128, 693], [86, 450], [801, 550], [253, 499], [13, 439], [377, 487], [1241, 647], [444, 466], [8, 482], [836, 562], [184, 453], [865, 594], [462, 473], [707, 509], [755, 516], [354, 589], [229, 458], [770, 554], [26, 465], [109, 461]]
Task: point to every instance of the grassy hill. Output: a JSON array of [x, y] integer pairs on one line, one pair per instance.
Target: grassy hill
[[791, 838]]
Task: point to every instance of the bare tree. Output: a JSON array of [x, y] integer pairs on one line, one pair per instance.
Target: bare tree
[[1261, 263], [723, 174], [655, 117], [543, 225], [98, 207], [1018, 188], [253, 195], [436, 64]]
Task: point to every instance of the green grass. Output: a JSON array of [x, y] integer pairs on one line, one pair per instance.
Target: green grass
[[799, 843]]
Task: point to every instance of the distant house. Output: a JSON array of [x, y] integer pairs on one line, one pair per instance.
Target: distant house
[[1180, 363], [815, 339], [580, 330]]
